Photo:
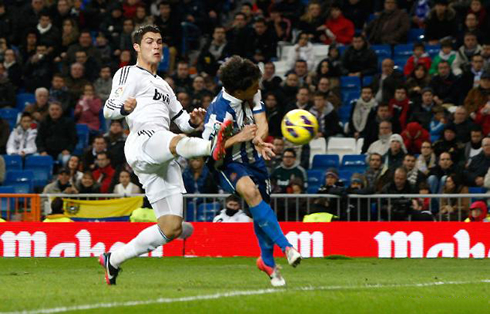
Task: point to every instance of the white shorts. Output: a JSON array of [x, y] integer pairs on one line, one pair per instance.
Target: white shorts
[[170, 205], [154, 164]]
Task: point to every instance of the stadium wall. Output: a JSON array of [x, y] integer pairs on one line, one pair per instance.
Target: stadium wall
[[354, 239]]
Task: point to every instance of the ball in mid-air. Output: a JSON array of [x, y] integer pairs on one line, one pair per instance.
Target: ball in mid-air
[[299, 126]]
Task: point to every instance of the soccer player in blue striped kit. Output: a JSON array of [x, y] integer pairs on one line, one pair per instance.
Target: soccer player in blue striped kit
[[243, 170]]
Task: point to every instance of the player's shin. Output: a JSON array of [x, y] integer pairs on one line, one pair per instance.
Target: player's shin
[[146, 241], [189, 147], [266, 246], [267, 221]]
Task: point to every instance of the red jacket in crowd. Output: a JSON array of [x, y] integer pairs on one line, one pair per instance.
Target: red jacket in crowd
[[342, 28], [413, 137], [411, 64], [104, 177]]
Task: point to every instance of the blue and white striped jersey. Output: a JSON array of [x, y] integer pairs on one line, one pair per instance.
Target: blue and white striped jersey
[[226, 107]]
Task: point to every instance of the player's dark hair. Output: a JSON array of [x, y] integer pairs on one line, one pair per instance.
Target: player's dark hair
[[142, 30], [238, 74]]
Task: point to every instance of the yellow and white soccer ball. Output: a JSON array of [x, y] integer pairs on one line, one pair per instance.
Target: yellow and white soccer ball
[[299, 126]]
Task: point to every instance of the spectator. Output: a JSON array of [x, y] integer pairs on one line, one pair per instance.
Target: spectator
[[280, 24], [374, 172], [359, 59], [87, 184], [462, 124], [421, 207], [288, 170], [103, 84], [214, 52], [290, 87], [57, 213], [328, 119], [335, 61], [337, 28], [278, 150], [485, 53], [419, 57], [385, 83], [382, 145], [474, 146], [232, 211], [39, 109], [197, 177], [125, 186], [59, 92], [471, 77], [22, 140], [73, 167], [6, 22], [357, 11], [302, 50], [444, 85], [326, 69], [414, 176], [445, 54], [102, 45], [76, 81], [413, 137], [427, 159], [438, 174], [376, 116], [420, 12], [263, 42], [28, 47], [4, 135], [69, 34], [182, 78], [30, 16], [99, 145], [104, 172], [302, 100], [239, 35], [397, 208], [478, 97], [477, 166], [48, 33], [88, 108], [454, 209], [395, 154], [400, 105], [85, 44], [2, 170], [332, 186], [422, 113], [274, 114], [38, 69], [91, 68], [13, 68], [61, 184], [115, 140], [416, 82], [441, 23], [449, 143], [358, 210], [390, 27], [56, 135], [124, 41], [7, 89], [360, 111], [465, 52], [470, 26], [478, 212], [270, 82], [324, 87], [312, 21], [438, 123]]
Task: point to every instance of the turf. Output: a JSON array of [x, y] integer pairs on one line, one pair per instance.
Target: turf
[[335, 286]]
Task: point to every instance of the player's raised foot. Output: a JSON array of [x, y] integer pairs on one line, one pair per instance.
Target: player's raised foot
[[273, 272], [111, 272], [218, 145], [293, 256]]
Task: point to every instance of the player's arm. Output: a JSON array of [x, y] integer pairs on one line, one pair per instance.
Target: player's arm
[[265, 149], [186, 122], [121, 101]]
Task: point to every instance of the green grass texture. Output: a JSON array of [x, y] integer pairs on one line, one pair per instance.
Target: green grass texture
[[235, 285]]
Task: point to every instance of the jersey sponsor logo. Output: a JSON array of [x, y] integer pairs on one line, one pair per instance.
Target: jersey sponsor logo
[[160, 96]]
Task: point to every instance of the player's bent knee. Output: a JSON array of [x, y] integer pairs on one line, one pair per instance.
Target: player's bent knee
[[173, 143], [247, 189], [171, 226]]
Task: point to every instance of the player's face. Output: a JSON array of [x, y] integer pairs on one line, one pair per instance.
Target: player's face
[[150, 50], [250, 92]]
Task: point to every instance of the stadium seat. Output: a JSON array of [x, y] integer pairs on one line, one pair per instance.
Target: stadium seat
[[432, 50], [355, 163], [6, 203], [190, 215], [367, 80], [207, 211], [83, 134], [359, 144], [23, 99], [318, 146], [341, 146], [164, 64], [10, 115], [349, 96], [312, 189], [403, 51], [350, 83], [400, 63], [415, 34], [42, 167], [12, 162], [477, 190], [320, 52], [315, 177], [382, 51], [323, 162], [281, 68], [344, 112], [344, 176], [22, 180], [342, 49], [285, 51]]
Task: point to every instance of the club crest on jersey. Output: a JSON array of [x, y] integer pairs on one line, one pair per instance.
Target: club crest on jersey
[[161, 96], [118, 92]]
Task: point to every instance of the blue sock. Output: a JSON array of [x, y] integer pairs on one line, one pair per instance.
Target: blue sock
[[266, 246], [267, 221]]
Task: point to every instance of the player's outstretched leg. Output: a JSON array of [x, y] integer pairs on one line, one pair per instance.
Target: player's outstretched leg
[[266, 262]]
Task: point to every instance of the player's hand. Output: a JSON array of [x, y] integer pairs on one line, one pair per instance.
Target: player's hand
[[130, 104], [248, 133], [197, 116], [265, 149]]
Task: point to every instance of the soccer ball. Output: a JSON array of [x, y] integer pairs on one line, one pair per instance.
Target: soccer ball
[[299, 126]]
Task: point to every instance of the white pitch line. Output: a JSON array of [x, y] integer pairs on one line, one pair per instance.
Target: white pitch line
[[235, 294]]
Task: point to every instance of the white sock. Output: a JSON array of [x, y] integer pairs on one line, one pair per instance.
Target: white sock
[[189, 147], [146, 241]]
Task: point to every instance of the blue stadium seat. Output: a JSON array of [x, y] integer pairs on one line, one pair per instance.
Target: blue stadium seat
[[207, 212], [477, 190], [163, 66], [349, 96], [42, 167], [354, 163], [350, 83], [315, 177], [415, 34], [403, 51], [190, 212], [400, 63], [324, 161], [312, 189], [382, 51], [21, 179], [23, 99], [12, 162], [6, 202], [10, 115], [367, 80], [345, 175], [342, 49], [432, 50], [83, 135], [344, 112]]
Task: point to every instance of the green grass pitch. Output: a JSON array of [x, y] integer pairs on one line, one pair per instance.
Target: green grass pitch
[[234, 285]]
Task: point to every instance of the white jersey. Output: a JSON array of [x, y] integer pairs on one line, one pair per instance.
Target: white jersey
[[240, 216]]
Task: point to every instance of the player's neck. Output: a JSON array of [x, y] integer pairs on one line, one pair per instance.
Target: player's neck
[[152, 68], [234, 95]]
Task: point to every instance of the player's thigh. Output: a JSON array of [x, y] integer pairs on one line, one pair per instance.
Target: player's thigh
[[157, 147], [169, 213], [247, 189]]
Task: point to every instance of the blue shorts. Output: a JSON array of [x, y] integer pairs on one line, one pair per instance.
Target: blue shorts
[[232, 172]]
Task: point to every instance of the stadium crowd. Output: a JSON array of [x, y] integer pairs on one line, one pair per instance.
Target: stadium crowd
[[423, 115]]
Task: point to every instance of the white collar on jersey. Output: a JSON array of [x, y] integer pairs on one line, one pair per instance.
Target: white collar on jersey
[[233, 100]]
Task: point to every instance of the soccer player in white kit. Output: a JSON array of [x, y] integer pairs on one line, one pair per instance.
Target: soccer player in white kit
[[149, 106]]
